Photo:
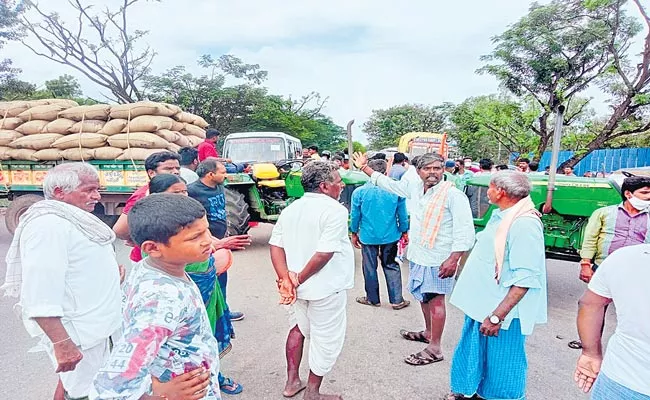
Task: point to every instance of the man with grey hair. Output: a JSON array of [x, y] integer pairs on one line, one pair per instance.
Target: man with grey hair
[[502, 291], [62, 265], [314, 261], [442, 230]]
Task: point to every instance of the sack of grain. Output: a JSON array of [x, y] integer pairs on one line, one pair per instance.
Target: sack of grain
[[62, 126], [87, 140], [89, 125], [177, 126], [11, 109], [22, 154], [183, 141], [185, 117], [113, 127], [134, 110], [4, 153], [35, 142], [97, 111], [77, 154], [67, 103], [168, 135], [194, 141], [32, 127], [143, 140], [150, 123], [49, 155], [137, 154], [193, 130], [200, 122], [10, 123], [7, 137], [108, 153], [173, 147], [45, 113]]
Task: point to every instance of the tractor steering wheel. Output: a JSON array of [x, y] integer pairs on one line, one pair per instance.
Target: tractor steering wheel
[[285, 166]]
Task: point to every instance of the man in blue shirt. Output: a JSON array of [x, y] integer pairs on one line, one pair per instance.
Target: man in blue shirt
[[379, 220], [399, 166]]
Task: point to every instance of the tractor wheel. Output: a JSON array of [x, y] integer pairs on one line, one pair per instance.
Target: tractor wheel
[[237, 212], [17, 208]]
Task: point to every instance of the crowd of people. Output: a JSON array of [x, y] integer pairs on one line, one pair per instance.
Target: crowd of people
[[159, 331]]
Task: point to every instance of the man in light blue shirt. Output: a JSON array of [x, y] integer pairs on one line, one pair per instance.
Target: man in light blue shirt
[[399, 166], [490, 359], [378, 221]]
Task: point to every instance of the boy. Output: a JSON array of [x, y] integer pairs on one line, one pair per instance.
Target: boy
[[166, 327]]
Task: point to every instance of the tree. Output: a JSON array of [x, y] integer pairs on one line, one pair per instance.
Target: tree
[[384, 127], [9, 30], [15, 89], [65, 86], [98, 45]]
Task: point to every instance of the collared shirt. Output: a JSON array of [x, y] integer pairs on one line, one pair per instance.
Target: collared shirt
[[188, 175], [456, 228], [397, 171], [478, 294], [316, 223], [316, 157], [67, 275], [611, 228], [206, 149], [378, 216]]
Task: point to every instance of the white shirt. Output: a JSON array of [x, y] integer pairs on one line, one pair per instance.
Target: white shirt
[[456, 228], [410, 177], [188, 175], [623, 277], [316, 223], [66, 275]]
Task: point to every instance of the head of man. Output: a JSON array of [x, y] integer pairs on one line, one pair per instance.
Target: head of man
[[164, 162], [212, 135], [568, 170], [305, 153], [74, 183], [523, 164], [460, 166], [450, 166], [338, 160], [326, 155], [430, 169], [211, 172], [467, 162], [507, 188], [533, 166], [322, 177], [399, 159], [635, 191], [313, 149], [189, 157], [486, 164], [380, 166]]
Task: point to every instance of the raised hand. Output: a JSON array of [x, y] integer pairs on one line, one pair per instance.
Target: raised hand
[[359, 159]]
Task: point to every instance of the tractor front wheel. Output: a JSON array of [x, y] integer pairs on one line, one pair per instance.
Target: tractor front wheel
[[17, 208], [237, 212]]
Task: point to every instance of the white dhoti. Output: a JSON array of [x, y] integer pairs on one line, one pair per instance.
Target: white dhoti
[[323, 322]]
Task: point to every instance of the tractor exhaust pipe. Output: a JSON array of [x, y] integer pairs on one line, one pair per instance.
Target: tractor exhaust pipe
[[350, 144], [555, 153]]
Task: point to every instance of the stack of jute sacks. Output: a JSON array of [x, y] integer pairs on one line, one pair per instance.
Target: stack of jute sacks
[[54, 129]]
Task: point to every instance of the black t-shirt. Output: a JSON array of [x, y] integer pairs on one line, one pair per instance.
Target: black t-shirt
[[214, 202]]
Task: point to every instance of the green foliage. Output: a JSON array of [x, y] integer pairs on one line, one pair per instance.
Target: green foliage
[[65, 86], [9, 30]]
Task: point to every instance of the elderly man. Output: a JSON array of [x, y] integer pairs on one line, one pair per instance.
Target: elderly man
[[62, 264], [442, 230], [314, 262], [502, 291]]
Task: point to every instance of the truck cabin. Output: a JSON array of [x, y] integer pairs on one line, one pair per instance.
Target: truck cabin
[[259, 147]]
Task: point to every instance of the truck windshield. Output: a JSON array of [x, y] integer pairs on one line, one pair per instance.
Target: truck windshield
[[266, 149]]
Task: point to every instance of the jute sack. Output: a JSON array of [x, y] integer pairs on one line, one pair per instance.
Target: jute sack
[[177, 126], [108, 153], [67, 103], [49, 155], [193, 130], [183, 141], [10, 123], [113, 127], [87, 140], [77, 154], [194, 141], [150, 123], [35, 142], [168, 135], [10, 109], [185, 117], [46, 113], [97, 111], [141, 108], [4, 153], [137, 154], [200, 122], [62, 126], [22, 154], [89, 125], [173, 147], [143, 140], [7, 137], [32, 127]]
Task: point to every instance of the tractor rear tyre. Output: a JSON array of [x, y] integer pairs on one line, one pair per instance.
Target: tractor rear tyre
[[17, 208], [237, 212]]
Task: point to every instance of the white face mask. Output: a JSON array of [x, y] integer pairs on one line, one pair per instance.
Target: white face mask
[[639, 204], [467, 164]]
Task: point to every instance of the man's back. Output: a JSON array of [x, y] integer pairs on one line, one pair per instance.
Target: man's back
[[380, 217], [214, 202], [397, 171]]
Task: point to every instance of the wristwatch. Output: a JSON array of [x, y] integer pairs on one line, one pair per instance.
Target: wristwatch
[[495, 319]]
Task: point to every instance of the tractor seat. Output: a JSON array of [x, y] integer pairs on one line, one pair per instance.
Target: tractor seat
[[273, 184]]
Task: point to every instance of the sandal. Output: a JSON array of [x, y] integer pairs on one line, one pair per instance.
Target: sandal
[[575, 344], [235, 388], [364, 300], [414, 336], [425, 357], [403, 304]]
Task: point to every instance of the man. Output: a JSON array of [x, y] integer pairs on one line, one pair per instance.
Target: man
[[442, 230], [326, 155], [313, 152], [467, 163], [523, 165], [485, 164], [62, 263], [209, 146], [502, 291], [588, 174], [463, 172], [189, 161], [305, 154], [314, 261], [534, 168], [568, 171], [451, 174], [378, 221], [346, 162], [621, 279], [338, 160], [398, 169]]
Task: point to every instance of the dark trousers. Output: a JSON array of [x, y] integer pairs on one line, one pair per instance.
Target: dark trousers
[[386, 253]]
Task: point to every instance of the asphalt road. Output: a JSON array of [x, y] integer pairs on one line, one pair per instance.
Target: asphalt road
[[371, 365]]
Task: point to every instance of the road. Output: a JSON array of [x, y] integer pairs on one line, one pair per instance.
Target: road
[[371, 365]]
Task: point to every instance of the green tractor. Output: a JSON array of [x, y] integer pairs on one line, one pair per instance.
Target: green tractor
[[574, 200], [271, 180]]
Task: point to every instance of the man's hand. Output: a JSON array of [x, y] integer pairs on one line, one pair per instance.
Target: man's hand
[[67, 355], [287, 291], [587, 371], [405, 239], [585, 271], [489, 329], [355, 240], [359, 159], [122, 273], [189, 386], [238, 242], [448, 267]]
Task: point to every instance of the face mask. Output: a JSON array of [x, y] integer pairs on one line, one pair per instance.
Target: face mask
[[638, 203], [467, 164]]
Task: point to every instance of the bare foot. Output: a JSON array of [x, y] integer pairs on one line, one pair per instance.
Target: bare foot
[[293, 388], [318, 396]]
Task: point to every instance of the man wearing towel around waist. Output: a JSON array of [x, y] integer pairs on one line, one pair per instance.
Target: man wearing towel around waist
[[442, 230]]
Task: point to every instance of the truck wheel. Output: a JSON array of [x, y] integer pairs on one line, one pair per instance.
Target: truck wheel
[[238, 216], [17, 207]]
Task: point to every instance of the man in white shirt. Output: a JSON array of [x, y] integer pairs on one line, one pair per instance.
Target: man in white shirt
[[442, 230], [314, 260], [622, 279], [62, 264], [189, 162]]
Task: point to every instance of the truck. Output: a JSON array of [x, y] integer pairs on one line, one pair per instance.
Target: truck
[[417, 143]]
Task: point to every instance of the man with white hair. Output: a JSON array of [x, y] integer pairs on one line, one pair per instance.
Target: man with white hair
[[62, 264], [502, 291]]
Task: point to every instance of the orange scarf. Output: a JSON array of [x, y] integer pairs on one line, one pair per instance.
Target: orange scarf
[[433, 215]]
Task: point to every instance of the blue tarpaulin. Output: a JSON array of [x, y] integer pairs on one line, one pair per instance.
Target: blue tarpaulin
[[607, 160]]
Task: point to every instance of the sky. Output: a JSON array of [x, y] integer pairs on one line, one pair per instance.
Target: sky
[[361, 54]]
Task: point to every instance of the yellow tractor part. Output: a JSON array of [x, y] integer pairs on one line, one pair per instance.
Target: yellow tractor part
[[267, 176]]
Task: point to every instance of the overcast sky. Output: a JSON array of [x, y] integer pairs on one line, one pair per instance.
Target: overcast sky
[[362, 54]]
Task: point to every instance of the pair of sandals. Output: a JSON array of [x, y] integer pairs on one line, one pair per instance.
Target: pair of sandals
[[228, 386], [424, 357]]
